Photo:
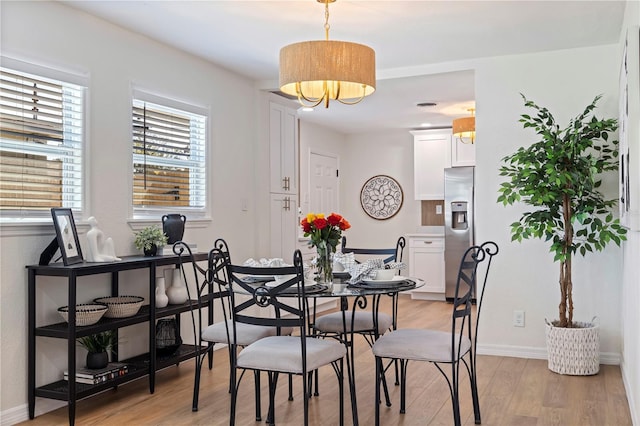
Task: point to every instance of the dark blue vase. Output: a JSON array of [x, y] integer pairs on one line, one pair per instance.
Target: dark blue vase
[[173, 226]]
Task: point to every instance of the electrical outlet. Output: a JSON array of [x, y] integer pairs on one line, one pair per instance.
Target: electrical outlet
[[439, 209], [518, 318]]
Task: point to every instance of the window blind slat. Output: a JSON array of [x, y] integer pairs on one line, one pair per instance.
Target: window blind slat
[[151, 114], [151, 137], [43, 113], [26, 93], [8, 76], [151, 133], [10, 97]]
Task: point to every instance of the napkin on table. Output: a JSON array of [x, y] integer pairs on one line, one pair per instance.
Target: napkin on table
[[347, 260], [274, 263], [265, 263], [363, 271]]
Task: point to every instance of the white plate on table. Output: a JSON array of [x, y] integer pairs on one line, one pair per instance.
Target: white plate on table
[[274, 283], [397, 280]]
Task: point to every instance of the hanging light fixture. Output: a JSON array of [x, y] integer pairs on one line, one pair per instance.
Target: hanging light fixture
[[465, 128], [323, 70]]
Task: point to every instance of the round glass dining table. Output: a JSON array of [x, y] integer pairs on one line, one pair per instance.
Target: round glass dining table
[[354, 297]]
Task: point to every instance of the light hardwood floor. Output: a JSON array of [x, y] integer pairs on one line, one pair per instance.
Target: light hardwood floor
[[513, 391]]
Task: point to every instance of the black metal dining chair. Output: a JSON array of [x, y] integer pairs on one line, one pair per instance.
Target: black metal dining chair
[[372, 323], [212, 294], [252, 303], [363, 321], [443, 347]]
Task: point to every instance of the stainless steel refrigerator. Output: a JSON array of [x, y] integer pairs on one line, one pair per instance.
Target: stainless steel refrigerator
[[459, 221]]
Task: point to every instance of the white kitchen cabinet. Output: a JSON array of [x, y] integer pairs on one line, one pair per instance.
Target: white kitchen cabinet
[[283, 174], [283, 149], [426, 261], [431, 155], [284, 230], [462, 154]]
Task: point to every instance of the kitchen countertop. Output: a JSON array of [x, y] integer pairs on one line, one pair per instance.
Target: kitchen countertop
[[427, 231]]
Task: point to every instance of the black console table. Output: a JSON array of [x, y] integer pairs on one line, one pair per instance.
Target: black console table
[[139, 366]]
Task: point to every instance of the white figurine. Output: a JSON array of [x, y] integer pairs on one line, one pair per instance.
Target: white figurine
[[101, 249]]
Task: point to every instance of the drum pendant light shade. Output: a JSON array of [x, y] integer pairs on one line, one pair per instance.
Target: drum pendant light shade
[[322, 70], [464, 129], [342, 69]]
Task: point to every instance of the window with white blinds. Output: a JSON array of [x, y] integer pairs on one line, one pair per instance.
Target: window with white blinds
[[168, 158], [41, 143]]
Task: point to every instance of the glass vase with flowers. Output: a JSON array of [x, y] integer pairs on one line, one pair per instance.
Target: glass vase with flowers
[[325, 234]]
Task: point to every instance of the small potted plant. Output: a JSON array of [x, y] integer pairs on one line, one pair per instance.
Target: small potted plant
[[97, 346], [149, 239]]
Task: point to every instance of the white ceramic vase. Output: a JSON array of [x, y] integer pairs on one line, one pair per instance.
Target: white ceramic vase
[[177, 292], [162, 299]]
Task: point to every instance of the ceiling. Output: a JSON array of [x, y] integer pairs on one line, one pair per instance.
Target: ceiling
[[408, 36]]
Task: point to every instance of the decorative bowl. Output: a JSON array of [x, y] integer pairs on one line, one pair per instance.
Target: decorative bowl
[[121, 306], [384, 274], [86, 313]]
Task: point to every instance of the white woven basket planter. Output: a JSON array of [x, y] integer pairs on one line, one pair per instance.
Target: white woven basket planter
[[574, 351]]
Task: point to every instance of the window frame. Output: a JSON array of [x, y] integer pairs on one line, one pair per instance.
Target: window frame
[[63, 76], [143, 214]]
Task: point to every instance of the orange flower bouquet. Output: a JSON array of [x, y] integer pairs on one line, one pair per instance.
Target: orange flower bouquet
[[325, 236]]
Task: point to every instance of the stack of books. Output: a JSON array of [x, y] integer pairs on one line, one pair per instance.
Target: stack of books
[[93, 377], [168, 249]]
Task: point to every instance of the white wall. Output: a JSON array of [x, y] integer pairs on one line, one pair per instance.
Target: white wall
[[631, 324], [115, 59], [366, 155], [631, 267]]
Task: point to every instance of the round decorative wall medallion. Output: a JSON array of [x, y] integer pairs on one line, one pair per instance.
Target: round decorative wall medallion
[[381, 197]]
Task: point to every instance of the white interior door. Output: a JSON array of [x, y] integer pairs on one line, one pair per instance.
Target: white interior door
[[323, 183]]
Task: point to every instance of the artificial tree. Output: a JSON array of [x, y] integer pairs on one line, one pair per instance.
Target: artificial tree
[[560, 177]]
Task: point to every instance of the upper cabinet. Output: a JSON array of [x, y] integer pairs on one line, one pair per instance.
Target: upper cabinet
[[283, 188], [462, 154], [431, 155], [283, 148], [434, 151]]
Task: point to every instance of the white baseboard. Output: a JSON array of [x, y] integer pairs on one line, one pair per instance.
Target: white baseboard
[[424, 295], [20, 413], [608, 358]]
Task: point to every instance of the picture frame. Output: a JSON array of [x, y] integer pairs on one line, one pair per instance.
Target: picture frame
[[67, 236]]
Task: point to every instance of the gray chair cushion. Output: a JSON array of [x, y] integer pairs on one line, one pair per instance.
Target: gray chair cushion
[[332, 323], [418, 345], [283, 354], [246, 333]]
